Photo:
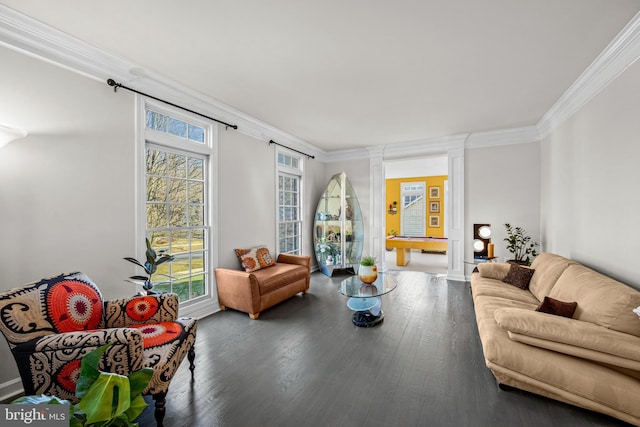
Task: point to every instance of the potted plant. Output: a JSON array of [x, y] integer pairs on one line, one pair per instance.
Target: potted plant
[[150, 266], [105, 398], [368, 272], [520, 245]]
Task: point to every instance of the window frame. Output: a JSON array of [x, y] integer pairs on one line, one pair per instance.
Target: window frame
[[206, 304], [298, 172]]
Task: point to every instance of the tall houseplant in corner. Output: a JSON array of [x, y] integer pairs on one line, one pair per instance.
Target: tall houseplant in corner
[[520, 245]]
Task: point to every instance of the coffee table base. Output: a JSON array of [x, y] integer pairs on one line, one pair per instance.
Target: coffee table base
[[364, 319]]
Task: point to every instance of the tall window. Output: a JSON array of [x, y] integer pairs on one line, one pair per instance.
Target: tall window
[[177, 157], [413, 209], [289, 203]]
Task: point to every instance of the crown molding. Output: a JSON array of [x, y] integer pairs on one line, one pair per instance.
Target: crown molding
[[621, 53], [521, 135], [30, 36]]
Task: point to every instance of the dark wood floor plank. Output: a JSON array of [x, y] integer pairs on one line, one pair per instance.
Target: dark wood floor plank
[[303, 363]]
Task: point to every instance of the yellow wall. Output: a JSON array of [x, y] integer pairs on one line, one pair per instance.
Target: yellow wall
[[393, 194]]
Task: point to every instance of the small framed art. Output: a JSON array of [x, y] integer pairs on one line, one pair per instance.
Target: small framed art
[[434, 192], [434, 221], [434, 207]]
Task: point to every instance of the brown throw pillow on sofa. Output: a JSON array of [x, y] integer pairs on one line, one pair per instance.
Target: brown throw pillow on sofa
[[557, 307], [519, 276]]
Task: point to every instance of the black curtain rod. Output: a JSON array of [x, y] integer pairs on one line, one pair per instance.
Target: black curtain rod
[[292, 149], [116, 85]]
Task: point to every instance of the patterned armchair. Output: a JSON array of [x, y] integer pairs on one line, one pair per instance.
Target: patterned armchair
[[51, 324]]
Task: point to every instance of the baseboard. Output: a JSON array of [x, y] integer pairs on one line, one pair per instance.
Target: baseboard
[[11, 389]]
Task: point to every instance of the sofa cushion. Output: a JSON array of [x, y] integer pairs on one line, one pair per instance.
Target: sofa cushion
[[548, 268], [255, 258], [493, 270], [556, 307], [519, 276], [278, 276], [601, 299]]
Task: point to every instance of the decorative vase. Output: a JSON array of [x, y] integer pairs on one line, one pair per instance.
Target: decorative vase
[[368, 274]]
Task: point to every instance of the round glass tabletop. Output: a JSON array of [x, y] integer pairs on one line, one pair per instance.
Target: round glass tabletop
[[356, 288]]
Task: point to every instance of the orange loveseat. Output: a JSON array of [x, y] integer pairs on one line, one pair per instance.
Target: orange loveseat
[[258, 290]]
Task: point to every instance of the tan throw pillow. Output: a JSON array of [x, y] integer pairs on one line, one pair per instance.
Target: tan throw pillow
[[519, 276], [557, 307], [255, 258]]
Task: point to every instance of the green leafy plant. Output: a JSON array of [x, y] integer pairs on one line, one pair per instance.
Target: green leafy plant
[[520, 245], [368, 261], [150, 266], [106, 399]]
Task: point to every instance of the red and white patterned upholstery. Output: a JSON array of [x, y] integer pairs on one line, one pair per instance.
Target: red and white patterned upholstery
[[51, 324]]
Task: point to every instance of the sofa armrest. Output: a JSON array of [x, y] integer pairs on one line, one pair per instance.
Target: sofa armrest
[[156, 308], [295, 259], [570, 336], [238, 289], [493, 270]]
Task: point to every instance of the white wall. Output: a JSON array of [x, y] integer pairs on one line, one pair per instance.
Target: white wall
[[502, 185], [590, 198], [66, 191]]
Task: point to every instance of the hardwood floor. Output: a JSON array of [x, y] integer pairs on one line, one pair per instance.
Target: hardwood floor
[[303, 363]]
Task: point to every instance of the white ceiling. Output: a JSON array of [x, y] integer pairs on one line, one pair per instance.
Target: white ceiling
[[354, 73]]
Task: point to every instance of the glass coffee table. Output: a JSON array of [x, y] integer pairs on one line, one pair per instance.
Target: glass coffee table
[[365, 299]]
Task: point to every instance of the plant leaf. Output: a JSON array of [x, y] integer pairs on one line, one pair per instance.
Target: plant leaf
[[143, 278], [108, 397], [139, 380], [89, 371], [136, 407]]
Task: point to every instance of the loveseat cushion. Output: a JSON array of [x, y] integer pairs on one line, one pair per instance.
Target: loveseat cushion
[[601, 299], [279, 275], [548, 268]]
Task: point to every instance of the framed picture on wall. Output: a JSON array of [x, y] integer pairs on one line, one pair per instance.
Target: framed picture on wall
[[434, 221], [434, 207], [434, 192]]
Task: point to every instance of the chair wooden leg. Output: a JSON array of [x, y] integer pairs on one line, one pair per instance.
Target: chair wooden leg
[[160, 399], [254, 315], [192, 357]]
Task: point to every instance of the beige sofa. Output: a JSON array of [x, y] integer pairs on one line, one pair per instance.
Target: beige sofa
[[256, 291], [591, 360]]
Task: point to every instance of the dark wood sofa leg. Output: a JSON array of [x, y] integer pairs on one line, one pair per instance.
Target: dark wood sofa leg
[[160, 399], [192, 357]]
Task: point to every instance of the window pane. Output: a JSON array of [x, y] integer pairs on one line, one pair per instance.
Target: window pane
[[156, 121], [156, 189], [177, 216], [156, 162], [196, 192], [198, 286], [177, 164], [181, 287], [159, 240], [179, 242], [196, 168], [197, 240], [196, 215], [156, 215], [177, 127], [177, 190], [196, 133]]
